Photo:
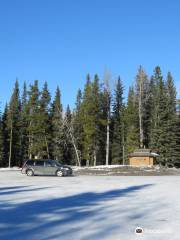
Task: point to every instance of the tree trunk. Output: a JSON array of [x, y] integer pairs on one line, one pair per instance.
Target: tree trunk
[[108, 95], [95, 158], [73, 142], [10, 145], [107, 142], [30, 143], [47, 147], [75, 148], [29, 148], [123, 155], [87, 162]]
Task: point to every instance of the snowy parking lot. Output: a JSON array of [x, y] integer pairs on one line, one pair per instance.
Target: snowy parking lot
[[88, 207]]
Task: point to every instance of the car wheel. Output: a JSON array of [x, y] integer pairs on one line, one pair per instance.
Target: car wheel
[[59, 173], [29, 172]]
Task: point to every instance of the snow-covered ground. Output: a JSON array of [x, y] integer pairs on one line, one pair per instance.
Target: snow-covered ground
[[10, 169], [88, 207], [126, 170]]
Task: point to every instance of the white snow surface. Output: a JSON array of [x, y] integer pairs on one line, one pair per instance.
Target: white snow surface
[[10, 169], [88, 207]]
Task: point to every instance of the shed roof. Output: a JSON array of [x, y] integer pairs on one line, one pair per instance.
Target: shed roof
[[142, 152]]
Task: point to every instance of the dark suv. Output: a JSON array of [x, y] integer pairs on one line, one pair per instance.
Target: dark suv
[[45, 167]]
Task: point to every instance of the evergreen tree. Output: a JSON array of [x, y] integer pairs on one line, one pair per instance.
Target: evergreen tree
[[5, 137], [118, 125], [34, 124], [176, 147], [39, 121], [23, 126], [57, 127], [131, 123], [1, 142], [160, 131], [155, 91], [171, 124], [69, 154], [96, 115], [77, 124], [159, 116], [88, 122], [90, 114], [102, 127], [13, 118], [44, 122]]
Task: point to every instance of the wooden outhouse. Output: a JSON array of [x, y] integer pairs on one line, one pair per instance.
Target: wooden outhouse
[[142, 157]]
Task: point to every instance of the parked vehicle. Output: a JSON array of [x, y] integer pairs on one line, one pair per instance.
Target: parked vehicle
[[45, 167]]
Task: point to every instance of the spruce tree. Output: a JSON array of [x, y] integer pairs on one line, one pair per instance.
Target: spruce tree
[[5, 137], [44, 122], [88, 122], [34, 125], [57, 127], [162, 124], [24, 125], [131, 123], [96, 115], [77, 124], [159, 117], [118, 125], [1, 142], [155, 91], [176, 148], [90, 119], [39, 121], [171, 128], [13, 119], [104, 120], [69, 153]]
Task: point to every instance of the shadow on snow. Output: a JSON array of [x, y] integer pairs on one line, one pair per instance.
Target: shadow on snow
[[39, 218]]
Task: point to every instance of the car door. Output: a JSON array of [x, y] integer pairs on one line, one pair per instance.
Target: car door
[[49, 168], [39, 167]]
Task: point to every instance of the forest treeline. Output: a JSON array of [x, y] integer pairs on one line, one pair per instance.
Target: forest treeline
[[103, 128]]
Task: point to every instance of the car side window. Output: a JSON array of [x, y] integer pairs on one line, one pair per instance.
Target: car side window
[[40, 163], [30, 163], [48, 164]]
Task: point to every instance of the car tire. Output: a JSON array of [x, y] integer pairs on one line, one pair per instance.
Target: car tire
[[29, 173], [59, 173]]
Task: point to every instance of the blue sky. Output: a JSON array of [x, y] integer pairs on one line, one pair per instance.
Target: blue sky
[[60, 41]]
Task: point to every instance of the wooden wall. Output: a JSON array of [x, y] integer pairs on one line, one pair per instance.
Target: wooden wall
[[141, 161]]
